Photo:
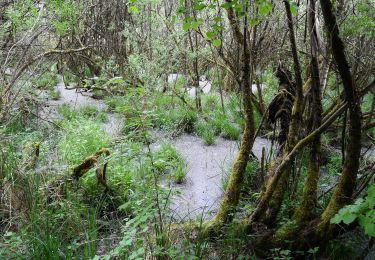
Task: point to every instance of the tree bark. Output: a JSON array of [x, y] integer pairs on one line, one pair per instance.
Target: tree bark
[[306, 210], [271, 199], [232, 194], [343, 193]]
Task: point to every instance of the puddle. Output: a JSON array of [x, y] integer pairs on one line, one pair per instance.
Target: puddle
[[208, 167], [77, 100]]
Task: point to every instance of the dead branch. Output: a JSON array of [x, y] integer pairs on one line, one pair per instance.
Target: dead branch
[[91, 162]]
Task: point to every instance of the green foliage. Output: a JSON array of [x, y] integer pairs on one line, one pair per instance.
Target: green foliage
[[362, 23], [206, 131], [220, 123], [85, 112], [22, 15], [55, 94], [136, 129], [80, 139], [115, 103], [271, 84], [47, 81], [169, 161], [175, 119], [363, 210], [334, 166], [281, 254], [66, 15], [230, 131]]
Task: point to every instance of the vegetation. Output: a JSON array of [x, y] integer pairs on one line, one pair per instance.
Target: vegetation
[[115, 114]]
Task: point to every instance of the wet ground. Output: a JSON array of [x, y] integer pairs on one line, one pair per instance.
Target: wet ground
[[207, 166], [77, 99]]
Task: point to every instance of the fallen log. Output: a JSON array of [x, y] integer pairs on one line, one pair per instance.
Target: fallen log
[[91, 162]]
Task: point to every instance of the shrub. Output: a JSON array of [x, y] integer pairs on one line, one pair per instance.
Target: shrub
[[47, 81], [168, 160], [206, 131], [229, 131]]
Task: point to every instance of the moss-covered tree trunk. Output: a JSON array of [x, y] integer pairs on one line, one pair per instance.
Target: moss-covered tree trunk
[[344, 190], [306, 210], [232, 193], [271, 199]]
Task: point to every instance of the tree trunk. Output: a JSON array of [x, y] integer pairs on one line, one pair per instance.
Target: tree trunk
[[232, 194], [271, 199], [306, 209], [343, 193]]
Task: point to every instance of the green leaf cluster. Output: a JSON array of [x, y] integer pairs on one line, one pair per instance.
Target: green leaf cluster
[[363, 210]]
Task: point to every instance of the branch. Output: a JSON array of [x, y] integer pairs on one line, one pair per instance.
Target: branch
[[234, 24], [36, 58], [287, 158], [293, 45]]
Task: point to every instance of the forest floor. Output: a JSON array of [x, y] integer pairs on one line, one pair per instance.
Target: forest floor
[[207, 166]]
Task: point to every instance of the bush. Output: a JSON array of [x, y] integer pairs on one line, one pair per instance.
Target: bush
[[175, 121], [169, 161], [206, 131], [47, 81], [229, 131]]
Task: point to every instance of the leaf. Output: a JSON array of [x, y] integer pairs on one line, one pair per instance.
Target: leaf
[[217, 19], [125, 206], [210, 35], [345, 215], [195, 24], [186, 26], [199, 6], [216, 43], [265, 8], [371, 191], [239, 7], [137, 254], [181, 10], [336, 219], [294, 8], [217, 27], [133, 9], [174, 18], [285, 252], [370, 228], [254, 22], [348, 218], [226, 5]]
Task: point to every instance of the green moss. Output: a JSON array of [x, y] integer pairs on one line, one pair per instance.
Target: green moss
[[307, 208], [286, 232]]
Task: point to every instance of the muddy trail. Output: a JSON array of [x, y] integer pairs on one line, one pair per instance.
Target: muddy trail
[[207, 166]]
